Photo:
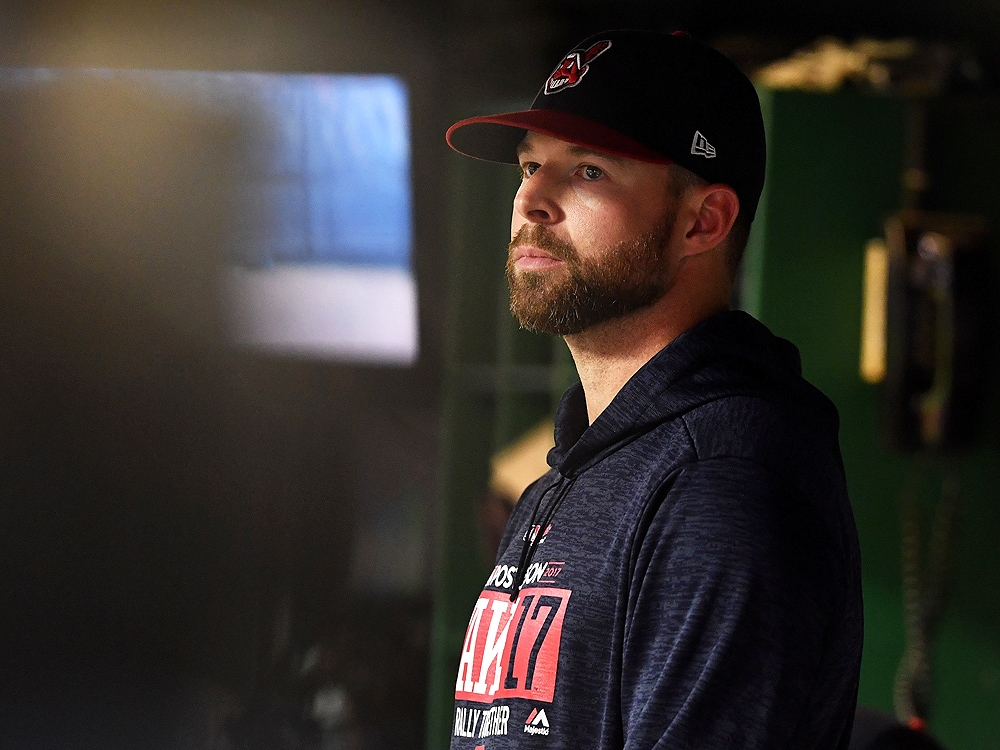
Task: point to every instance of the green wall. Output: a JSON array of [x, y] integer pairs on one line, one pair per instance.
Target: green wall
[[834, 169]]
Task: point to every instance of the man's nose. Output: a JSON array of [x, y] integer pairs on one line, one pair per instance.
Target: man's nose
[[537, 199]]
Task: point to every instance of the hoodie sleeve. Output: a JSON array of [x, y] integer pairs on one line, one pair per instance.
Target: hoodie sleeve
[[730, 596]]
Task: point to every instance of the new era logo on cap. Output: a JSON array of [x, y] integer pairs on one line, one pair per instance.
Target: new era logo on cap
[[574, 67], [701, 147]]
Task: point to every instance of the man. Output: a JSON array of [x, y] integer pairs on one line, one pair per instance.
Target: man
[[686, 575]]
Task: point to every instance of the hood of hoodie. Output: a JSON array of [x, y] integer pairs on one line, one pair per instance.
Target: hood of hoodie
[[726, 355]]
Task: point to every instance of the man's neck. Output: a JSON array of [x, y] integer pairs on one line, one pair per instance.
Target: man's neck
[[609, 354]]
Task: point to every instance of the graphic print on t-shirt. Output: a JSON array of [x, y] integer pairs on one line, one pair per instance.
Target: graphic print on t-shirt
[[511, 649]]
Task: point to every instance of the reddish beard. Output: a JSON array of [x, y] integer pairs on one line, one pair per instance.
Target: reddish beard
[[624, 278]]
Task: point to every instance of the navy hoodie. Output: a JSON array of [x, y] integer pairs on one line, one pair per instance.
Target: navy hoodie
[[686, 575]]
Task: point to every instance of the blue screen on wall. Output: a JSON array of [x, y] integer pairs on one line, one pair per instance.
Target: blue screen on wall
[[320, 248]]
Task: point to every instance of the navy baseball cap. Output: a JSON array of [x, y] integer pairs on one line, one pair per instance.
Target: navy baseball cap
[[645, 95]]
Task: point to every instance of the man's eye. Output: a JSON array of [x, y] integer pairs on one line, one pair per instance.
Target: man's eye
[[528, 169], [590, 172]]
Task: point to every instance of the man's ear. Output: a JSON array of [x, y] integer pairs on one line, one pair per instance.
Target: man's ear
[[717, 207]]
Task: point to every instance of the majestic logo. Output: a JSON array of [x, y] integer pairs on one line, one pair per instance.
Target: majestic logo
[[701, 147], [574, 67], [537, 722]]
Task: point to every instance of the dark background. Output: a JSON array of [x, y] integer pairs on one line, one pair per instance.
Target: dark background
[[179, 522]]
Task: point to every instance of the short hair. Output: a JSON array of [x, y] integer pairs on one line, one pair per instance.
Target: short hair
[[681, 181]]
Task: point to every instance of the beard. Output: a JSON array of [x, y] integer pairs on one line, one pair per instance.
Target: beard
[[623, 278]]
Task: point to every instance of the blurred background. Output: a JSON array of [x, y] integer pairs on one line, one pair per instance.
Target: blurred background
[[256, 365]]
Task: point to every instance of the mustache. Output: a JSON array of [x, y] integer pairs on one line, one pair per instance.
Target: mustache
[[543, 238]]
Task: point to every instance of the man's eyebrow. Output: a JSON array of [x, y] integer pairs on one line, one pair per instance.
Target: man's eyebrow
[[524, 148], [584, 151]]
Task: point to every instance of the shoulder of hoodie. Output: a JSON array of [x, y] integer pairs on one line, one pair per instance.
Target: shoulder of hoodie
[[750, 460], [793, 445], [770, 429]]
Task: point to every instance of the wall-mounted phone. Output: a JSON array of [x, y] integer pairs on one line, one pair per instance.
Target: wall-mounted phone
[[923, 328]]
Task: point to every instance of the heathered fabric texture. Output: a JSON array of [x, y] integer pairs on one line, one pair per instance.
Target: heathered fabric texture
[[698, 585]]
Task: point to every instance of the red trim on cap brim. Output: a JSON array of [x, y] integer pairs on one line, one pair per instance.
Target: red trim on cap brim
[[565, 126]]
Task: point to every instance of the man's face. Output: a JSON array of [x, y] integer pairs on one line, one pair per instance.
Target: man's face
[[591, 236]]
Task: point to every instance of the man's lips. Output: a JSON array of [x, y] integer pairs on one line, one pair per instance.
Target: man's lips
[[531, 258]]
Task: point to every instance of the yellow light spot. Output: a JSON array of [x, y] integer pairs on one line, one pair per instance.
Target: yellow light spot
[[873, 312]]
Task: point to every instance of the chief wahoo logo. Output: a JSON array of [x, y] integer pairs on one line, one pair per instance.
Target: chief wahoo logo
[[574, 67]]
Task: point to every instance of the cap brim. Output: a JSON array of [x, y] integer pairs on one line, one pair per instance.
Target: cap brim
[[496, 137]]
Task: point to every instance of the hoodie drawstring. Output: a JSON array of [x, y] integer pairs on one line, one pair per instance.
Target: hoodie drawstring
[[533, 538]]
